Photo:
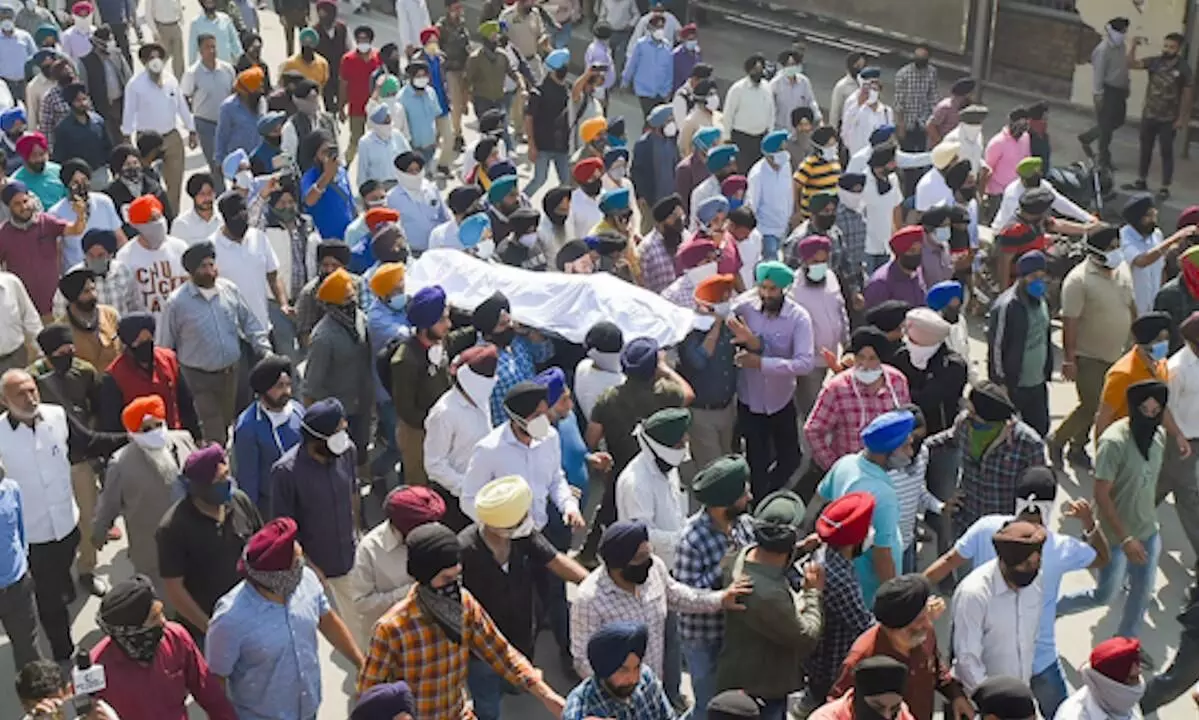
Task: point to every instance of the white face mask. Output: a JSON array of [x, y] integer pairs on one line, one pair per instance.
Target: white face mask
[[659, 35], [155, 439], [154, 232], [538, 428], [780, 159], [244, 179], [828, 153], [436, 355], [1116, 37], [670, 130], [871, 96], [721, 309], [485, 249], [363, 47], [617, 172], [701, 273], [609, 361], [851, 200], [155, 65], [477, 387], [712, 102], [420, 83], [410, 182], [339, 442], [672, 456], [383, 130], [83, 21], [817, 272], [528, 239], [867, 377], [920, 354], [971, 131]]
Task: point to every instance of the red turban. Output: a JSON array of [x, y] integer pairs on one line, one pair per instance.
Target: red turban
[[845, 522], [271, 548], [410, 507], [28, 142], [142, 209], [584, 169], [1115, 658], [903, 240], [379, 215]]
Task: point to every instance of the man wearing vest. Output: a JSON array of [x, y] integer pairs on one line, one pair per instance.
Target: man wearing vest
[[143, 369], [36, 443]]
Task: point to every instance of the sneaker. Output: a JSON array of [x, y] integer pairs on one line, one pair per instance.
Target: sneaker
[[1079, 458], [93, 585], [1056, 459], [1163, 193]]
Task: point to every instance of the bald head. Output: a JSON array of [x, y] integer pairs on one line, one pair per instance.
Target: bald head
[[20, 393]]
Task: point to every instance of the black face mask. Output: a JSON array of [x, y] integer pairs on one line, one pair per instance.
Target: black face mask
[[673, 234], [1021, 578], [557, 218], [637, 574], [61, 363], [951, 315], [143, 353], [755, 76], [503, 338], [1144, 429], [238, 225], [909, 262], [591, 188], [823, 221]]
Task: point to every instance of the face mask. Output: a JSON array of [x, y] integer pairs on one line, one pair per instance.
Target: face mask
[[363, 47], [909, 262], [503, 338], [477, 387], [61, 363], [817, 272], [609, 361], [155, 65], [659, 35], [1036, 288], [941, 234], [244, 179], [420, 83], [721, 309], [528, 240], [98, 266], [867, 377], [871, 96], [920, 354], [143, 353], [285, 214], [828, 153], [793, 70], [1112, 259], [1159, 350], [755, 76], [1117, 38], [237, 225], [279, 582], [398, 302], [523, 530], [712, 102], [637, 574], [154, 232], [155, 439], [701, 273], [671, 129], [139, 643], [691, 45], [132, 174], [672, 456], [339, 442], [215, 494], [485, 249], [538, 428], [591, 188], [617, 173], [850, 199]]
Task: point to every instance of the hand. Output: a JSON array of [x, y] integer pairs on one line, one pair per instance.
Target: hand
[[747, 360], [859, 302], [193, 141], [341, 114], [574, 520], [288, 310], [1184, 447], [600, 461], [48, 708], [808, 544], [953, 504], [1069, 371], [1179, 124], [935, 607], [1082, 510], [1135, 551], [577, 492], [733, 594], [813, 577], [742, 335], [962, 709], [830, 359]]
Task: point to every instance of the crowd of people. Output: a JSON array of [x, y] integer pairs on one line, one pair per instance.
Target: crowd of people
[[247, 381]]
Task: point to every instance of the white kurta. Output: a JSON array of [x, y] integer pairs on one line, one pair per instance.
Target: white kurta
[[644, 493]]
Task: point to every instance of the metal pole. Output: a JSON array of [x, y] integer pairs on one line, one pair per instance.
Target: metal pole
[[981, 42]]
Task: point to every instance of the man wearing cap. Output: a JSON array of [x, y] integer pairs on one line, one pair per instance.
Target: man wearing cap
[[139, 484], [996, 609], [379, 578], [878, 686], [622, 677], [267, 428], [1098, 308], [1144, 247], [275, 613], [207, 84], [1021, 354], [503, 560], [142, 649]]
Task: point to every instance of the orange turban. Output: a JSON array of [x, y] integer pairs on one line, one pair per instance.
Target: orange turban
[[337, 288], [713, 289], [136, 412], [141, 210], [251, 79], [379, 215], [387, 278]]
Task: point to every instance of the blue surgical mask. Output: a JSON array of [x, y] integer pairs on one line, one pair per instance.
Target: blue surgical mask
[[941, 234], [691, 45], [1160, 349], [1113, 258], [398, 302], [1036, 288]]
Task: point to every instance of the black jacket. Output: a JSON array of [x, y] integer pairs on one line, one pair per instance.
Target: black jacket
[[938, 388], [1007, 326]]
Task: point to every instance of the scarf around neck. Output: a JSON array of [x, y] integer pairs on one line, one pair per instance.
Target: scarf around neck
[[1116, 699]]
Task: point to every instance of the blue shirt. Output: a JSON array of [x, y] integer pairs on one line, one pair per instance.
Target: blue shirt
[[437, 80], [420, 212], [334, 211], [15, 50], [517, 363], [206, 334], [854, 473], [257, 444], [1060, 555], [268, 652], [14, 558], [422, 108], [574, 454], [383, 324], [359, 240], [236, 127], [221, 27], [650, 70]]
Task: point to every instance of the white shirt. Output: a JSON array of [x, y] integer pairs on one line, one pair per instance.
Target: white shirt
[[750, 250], [500, 454], [749, 108], [590, 382], [246, 265], [191, 228], [644, 493], [970, 145], [994, 627], [771, 196], [162, 12], [859, 121], [932, 190], [879, 212], [19, 319], [452, 429], [412, 16], [584, 213], [1183, 382], [1146, 281], [37, 459], [1081, 705], [150, 106], [1015, 190], [959, 342], [280, 241], [379, 578], [842, 90], [156, 272]]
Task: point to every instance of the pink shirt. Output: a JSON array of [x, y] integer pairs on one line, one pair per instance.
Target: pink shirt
[[1004, 152], [842, 709]]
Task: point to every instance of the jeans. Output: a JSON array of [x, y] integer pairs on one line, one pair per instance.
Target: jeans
[[561, 37], [772, 709], [1177, 679], [770, 247], [383, 465], [551, 589], [619, 45], [1033, 404], [909, 558], [486, 689], [771, 447], [702, 656], [1050, 689], [18, 616], [1162, 131], [541, 170], [1111, 577]]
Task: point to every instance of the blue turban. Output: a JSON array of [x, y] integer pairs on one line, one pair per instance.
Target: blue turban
[[11, 117], [557, 59], [554, 381], [41, 56], [882, 134], [773, 142], [720, 156], [776, 272], [470, 230], [707, 210], [887, 432], [381, 115], [870, 73], [610, 646], [500, 187], [384, 702], [43, 32], [1030, 262], [11, 190], [323, 416], [104, 238], [426, 307], [940, 295], [639, 358], [620, 542], [660, 115], [132, 325], [611, 155], [705, 137], [271, 121], [614, 201], [233, 161]]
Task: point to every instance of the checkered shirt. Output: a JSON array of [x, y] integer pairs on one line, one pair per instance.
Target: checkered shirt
[[657, 266], [518, 362], [600, 601], [117, 289], [916, 93], [913, 495], [845, 618], [848, 255], [988, 484], [697, 564], [408, 646], [844, 407], [648, 701], [681, 292]]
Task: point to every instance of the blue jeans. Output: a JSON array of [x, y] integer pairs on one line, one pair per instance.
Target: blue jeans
[[909, 560], [1111, 577], [486, 689], [541, 170], [1050, 689], [701, 662], [770, 247]]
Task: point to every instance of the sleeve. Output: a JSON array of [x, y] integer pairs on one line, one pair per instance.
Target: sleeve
[[246, 456], [496, 651], [206, 689], [692, 568], [82, 440], [108, 505], [792, 620], [969, 614], [818, 426], [1115, 385], [886, 526], [732, 102], [129, 111], [692, 350], [844, 679], [684, 598], [478, 474], [439, 440], [251, 327], [643, 169], [1007, 210], [188, 416], [283, 493], [1068, 207], [585, 619], [221, 647], [31, 322], [634, 503], [802, 354], [364, 593], [1073, 296], [1098, 68]]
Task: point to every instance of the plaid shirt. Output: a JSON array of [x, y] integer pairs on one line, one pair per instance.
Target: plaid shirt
[[848, 255], [697, 564], [681, 292], [648, 701], [916, 93], [600, 601], [913, 495], [844, 407], [116, 289], [408, 646], [54, 110], [988, 483], [657, 266], [845, 618], [518, 362]]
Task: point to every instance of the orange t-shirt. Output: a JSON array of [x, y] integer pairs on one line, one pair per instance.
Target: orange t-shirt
[[1129, 369]]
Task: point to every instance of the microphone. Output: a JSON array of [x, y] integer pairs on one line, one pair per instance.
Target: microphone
[[88, 680]]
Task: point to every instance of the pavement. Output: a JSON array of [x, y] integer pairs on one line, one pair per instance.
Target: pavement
[[1076, 634]]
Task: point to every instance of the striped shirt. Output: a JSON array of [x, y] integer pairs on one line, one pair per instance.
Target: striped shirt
[[815, 174], [914, 497]]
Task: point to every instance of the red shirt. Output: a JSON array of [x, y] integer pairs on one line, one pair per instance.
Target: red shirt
[[32, 254], [927, 674], [159, 691], [356, 73]]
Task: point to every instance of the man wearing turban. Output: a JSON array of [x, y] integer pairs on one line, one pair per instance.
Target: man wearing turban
[[1146, 360], [267, 428], [648, 489], [93, 326], [878, 686], [622, 677], [818, 289], [936, 374], [40, 174], [153, 256]]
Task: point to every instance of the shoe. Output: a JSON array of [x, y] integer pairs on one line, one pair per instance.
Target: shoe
[[1163, 193], [1056, 459], [114, 533], [1079, 458], [93, 585], [1140, 185]]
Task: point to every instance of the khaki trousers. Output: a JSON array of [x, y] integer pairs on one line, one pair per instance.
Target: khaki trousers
[[87, 490], [172, 166], [411, 442], [459, 98], [170, 36], [712, 436], [357, 130], [445, 142]]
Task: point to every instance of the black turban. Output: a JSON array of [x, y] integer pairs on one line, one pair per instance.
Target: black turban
[[553, 198], [131, 325], [991, 403], [267, 372], [1147, 327], [72, 166], [484, 147], [1039, 483], [1017, 541], [1037, 201], [888, 315], [71, 284], [957, 173], [1004, 697], [964, 86], [524, 397], [335, 249], [487, 315], [733, 704], [461, 198], [620, 542], [934, 217], [664, 207], [882, 155], [432, 547], [1103, 238], [1136, 207], [605, 337], [571, 251], [610, 646], [610, 244], [128, 603], [900, 600], [197, 254], [878, 675], [869, 336], [107, 239], [230, 204], [1139, 392], [52, 337], [523, 221]]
